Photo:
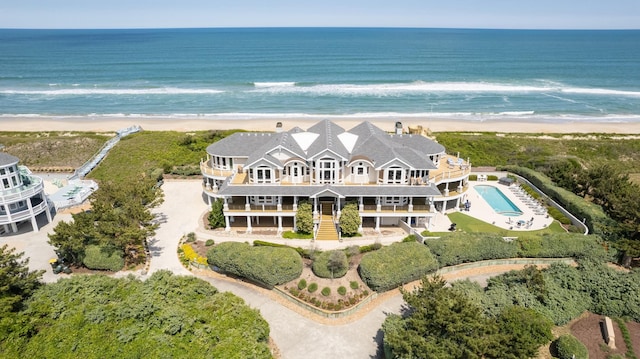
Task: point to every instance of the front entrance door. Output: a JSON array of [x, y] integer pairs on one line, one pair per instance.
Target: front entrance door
[[327, 207]]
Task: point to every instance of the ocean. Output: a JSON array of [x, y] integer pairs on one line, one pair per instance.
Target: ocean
[[475, 75]]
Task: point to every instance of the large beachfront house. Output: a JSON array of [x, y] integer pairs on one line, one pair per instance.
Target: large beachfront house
[[393, 177], [22, 196]]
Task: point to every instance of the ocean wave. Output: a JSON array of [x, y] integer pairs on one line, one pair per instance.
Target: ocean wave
[[273, 84], [519, 116], [105, 91], [421, 87]]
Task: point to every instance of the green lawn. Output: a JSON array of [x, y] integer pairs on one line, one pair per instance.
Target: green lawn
[[469, 224]]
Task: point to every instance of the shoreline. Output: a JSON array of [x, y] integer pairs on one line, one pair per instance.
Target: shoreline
[[268, 123]]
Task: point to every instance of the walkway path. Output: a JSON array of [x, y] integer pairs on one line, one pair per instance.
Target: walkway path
[[297, 333]]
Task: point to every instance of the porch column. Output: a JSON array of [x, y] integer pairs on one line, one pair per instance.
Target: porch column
[[14, 227], [446, 189], [48, 211], [360, 226], [225, 206], [227, 224], [34, 223], [295, 203], [279, 203], [432, 208], [460, 186], [377, 224], [458, 203], [315, 206], [249, 229], [409, 221], [295, 226], [247, 205], [410, 204], [338, 211], [361, 205], [378, 205], [279, 224]]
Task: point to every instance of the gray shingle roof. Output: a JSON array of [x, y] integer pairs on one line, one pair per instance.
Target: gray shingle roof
[[7, 159]]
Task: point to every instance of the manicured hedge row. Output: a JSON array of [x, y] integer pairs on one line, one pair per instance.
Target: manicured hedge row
[[396, 264], [559, 245], [99, 258], [457, 248], [596, 219], [270, 266]]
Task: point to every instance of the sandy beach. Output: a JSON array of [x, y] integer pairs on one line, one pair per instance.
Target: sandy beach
[[262, 123]]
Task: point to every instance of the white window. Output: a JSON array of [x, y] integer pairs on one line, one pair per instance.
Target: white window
[[328, 170], [394, 175], [267, 200], [395, 200], [263, 175]]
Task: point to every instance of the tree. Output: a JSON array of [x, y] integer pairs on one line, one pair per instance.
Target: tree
[[120, 218], [350, 220], [337, 262], [524, 331], [216, 216], [304, 218], [17, 283]]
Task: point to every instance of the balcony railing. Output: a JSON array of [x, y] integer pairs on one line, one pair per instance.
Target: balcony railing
[[260, 208], [23, 192], [24, 214], [214, 172]]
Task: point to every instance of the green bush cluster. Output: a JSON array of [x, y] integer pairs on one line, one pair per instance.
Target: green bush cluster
[[569, 347], [296, 235], [395, 265], [302, 284], [270, 266], [342, 290], [304, 253], [370, 247], [596, 219], [457, 248], [559, 245], [312, 287], [103, 258], [325, 291], [330, 264], [354, 285], [558, 216], [209, 242]]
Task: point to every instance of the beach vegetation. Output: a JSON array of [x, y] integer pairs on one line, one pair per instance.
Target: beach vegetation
[[569, 347], [103, 258], [163, 316], [17, 282], [172, 152]]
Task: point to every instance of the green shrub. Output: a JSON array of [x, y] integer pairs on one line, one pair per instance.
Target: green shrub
[[304, 253], [102, 258], [567, 346], [370, 247], [492, 178], [312, 287], [216, 215], [296, 235], [209, 242], [559, 245], [326, 291], [331, 264], [457, 248], [191, 237], [267, 265], [473, 177], [304, 218], [395, 265], [342, 290], [350, 219], [354, 285], [302, 284], [409, 238]]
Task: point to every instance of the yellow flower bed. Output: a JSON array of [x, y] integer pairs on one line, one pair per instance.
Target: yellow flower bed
[[190, 254]]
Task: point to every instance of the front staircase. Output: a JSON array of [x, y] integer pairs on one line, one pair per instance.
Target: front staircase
[[327, 229]]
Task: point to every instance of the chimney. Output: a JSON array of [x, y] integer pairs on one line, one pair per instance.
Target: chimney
[[398, 128], [278, 127]]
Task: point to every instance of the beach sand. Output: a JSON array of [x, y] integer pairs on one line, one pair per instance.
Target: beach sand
[[112, 123]]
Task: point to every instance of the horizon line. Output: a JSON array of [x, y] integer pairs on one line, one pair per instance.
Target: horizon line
[[318, 27]]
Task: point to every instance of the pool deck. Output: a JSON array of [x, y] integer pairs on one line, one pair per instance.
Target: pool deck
[[480, 209]]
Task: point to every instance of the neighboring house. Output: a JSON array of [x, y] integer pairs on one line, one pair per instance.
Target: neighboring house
[[262, 177], [22, 196]]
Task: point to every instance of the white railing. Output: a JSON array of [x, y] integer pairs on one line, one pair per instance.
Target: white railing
[[24, 214], [24, 192]]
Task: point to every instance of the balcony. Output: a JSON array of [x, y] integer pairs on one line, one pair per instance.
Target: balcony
[[216, 173], [23, 214], [23, 192], [259, 208], [450, 169]]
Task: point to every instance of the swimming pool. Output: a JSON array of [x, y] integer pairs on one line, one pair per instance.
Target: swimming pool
[[498, 201]]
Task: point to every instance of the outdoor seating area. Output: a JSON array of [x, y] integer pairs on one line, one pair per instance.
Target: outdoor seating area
[[529, 201]]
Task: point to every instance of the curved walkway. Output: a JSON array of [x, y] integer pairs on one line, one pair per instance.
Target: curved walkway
[[296, 333]]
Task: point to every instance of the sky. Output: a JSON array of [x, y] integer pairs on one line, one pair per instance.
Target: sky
[[495, 14]]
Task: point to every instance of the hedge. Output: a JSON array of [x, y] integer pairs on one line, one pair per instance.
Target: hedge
[[270, 266], [101, 258], [567, 346], [558, 245], [321, 265], [395, 265], [457, 248], [596, 219]]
